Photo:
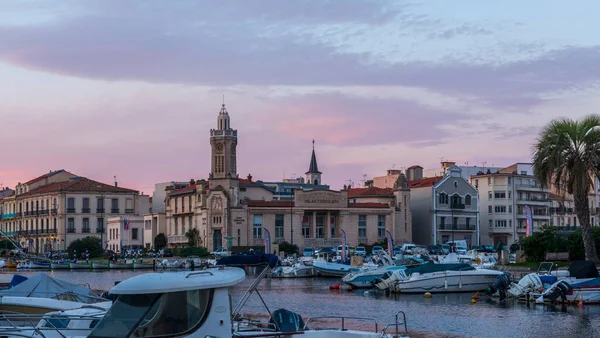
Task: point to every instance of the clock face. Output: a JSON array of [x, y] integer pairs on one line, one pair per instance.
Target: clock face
[[219, 146]]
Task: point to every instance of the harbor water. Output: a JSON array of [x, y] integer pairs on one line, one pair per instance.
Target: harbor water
[[443, 315]]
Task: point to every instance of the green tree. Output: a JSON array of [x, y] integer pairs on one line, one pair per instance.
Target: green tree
[[90, 243], [160, 241], [566, 155], [193, 236]]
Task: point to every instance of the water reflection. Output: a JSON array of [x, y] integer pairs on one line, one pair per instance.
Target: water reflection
[[449, 313]]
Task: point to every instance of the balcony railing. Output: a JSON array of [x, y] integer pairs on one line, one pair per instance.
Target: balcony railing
[[114, 211], [561, 210], [100, 210], [71, 210], [85, 230], [129, 211], [44, 212], [458, 226], [533, 199], [54, 211], [19, 214], [100, 230], [71, 230], [85, 210], [457, 206]]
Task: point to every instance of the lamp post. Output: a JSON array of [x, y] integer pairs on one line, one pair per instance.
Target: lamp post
[[292, 223]]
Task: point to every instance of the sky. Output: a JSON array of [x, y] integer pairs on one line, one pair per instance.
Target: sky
[[106, 88]]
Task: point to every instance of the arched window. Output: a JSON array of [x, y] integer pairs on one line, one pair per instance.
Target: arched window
[[443, 198], [316, 182], [456, 199], [468, 200]]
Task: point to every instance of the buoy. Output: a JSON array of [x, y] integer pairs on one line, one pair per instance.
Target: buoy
[[427, 294], [335, 287], [476, 295], [366, 293], [473, 300]]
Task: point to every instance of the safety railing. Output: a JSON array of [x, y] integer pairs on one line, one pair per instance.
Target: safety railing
[[343, 318]]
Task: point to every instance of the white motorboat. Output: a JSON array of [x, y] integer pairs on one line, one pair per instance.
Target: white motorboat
[[61, 265], [80, 265], [366, 276], [297, 270], [100, 265], [439, 278], [198, 304]]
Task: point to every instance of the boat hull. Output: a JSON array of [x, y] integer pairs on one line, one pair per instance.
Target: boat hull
[[80, 266], [294, 272], [100, 266], [447, 282], [40, 266], [365, 279], [143, 265], [121, 265], [59, 266], [327, 269]]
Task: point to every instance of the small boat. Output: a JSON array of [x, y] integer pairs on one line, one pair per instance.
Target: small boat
[[59, 265], [142, 265], [11, 264], [100, 265], [40, 265], [120, 265], [2, 263], [24, 265], [329, 269], [298, 270], [82, 265]]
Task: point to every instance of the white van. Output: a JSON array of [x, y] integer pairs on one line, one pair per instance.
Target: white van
[[407, 247], [459, 242]]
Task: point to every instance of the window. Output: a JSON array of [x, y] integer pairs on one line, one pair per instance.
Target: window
[[500, 209], [86, 225], [442, 222], [468, 223], [510, 223], [476, 183], [490, 209], [490, 195], [443, 198], [257, 227], [191, 222], [523, 172], [176, 207], [510, 209], [362, 226], [489, 181], [55, 225], [381, 226], [306, 227], [86, 205], [456, 199], [176, 227], [182, 310], [501, 223], [278, 226], [468, 200], [100, 204], [319, 227], [71, 225], [100, 225], [509, 179], [134, 234], [114, 205], [509, 194], [71, 205], [491, 225], [500, 194], [183, 226], [147, 225]]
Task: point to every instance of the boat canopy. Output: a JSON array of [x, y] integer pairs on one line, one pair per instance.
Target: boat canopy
[[165, 282], [44, 286], [583, 269], [238, 260]]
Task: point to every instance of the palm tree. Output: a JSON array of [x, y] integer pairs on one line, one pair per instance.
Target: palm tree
[[566, 155]]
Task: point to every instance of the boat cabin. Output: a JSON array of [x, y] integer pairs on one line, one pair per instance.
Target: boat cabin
[[169, 304]]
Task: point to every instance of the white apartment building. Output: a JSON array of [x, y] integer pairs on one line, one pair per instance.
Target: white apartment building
[[503, 197], [154, 224], [120, 238]]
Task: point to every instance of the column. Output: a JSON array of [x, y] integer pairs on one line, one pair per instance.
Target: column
[[313, 226], [327, 226]]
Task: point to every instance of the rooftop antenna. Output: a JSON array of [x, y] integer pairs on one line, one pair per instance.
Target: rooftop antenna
[[294, 175], [364, 179], [393, 166], [223, 99], [350, 182], [483, 165], [313, 144]]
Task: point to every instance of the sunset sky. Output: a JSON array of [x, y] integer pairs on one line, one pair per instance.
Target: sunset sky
[[131, 88]]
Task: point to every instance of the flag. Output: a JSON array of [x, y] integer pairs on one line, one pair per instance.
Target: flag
[[343, 246], [528, 217], [125, 224], [267, 240], [390, 243]]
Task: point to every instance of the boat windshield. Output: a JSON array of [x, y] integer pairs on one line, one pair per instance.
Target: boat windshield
[[155, 315]]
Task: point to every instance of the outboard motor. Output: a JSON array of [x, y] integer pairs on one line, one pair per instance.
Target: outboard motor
[[287, 321], [558, 289], [501, 284]]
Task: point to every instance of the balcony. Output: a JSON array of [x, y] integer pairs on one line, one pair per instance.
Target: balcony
[[70, 210], [54, 211], [457, 227], [214, 132], [529, 187], [99, 230], [177, 239], [114, 211], [85, 230], [533, 200], [129, 211], [85, 210], [44, 212], [71, 230], [459, 206], [100, 210], [19, 214]]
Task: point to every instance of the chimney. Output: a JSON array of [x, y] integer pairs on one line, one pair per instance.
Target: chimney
[[249, 177]]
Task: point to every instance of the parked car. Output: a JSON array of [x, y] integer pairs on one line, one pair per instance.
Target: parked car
[[220, 252], [360, 251], [349, 250], [397, 250], [445, 248], [308, 251], [461, 250], [436, 250], [326, 249], [376, 249], [408, 247]]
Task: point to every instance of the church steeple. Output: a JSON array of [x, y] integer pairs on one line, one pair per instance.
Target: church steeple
[[313, 175]]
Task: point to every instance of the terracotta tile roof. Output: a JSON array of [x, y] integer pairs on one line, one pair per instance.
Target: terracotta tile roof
[[183, 190], [368, 205], [80, 184], [37, 179], [268, 204], [373, 191], [425, 182]]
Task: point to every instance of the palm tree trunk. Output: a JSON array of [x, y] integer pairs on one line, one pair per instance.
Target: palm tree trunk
[[582, 210]]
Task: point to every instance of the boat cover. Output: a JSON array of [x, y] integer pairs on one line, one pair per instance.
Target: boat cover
[[583, 269], [238, 260], [592, 283], [44, 286], [16, 280], [548, 279]]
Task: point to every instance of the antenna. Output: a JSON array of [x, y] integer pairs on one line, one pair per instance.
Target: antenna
[[294, 175], [393, 166], [364, 180], [223, 99], [350, 182], [442, 159]]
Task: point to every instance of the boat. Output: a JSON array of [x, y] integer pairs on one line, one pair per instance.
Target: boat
[[3, 264], [365, 278], [201, 302], [11, 264], [24, 264], [100, 265], [82, 265], [330, 269], [142, 265], [59, 265], [297, 270], [440, 278], [120, 265], [39, 265], [579, 284]]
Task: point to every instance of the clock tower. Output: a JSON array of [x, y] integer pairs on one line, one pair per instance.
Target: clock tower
[[223, 142]]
